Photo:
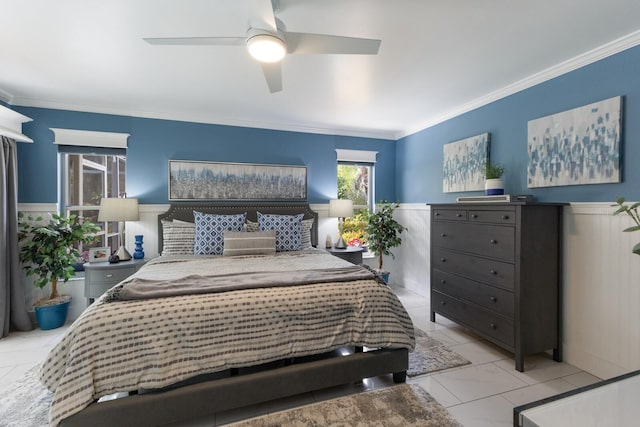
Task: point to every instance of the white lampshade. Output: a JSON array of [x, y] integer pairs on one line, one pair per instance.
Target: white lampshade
[[114, 209], [266, 48], [340, 208]]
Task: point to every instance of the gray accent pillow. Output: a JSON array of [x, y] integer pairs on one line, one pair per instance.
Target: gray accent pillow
[[243, 243], [178, 238]]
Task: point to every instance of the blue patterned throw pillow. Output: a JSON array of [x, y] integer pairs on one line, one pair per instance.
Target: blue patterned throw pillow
[[288, 230], [210, 228]]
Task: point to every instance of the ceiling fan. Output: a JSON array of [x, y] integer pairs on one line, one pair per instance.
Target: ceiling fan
[[268, 42]]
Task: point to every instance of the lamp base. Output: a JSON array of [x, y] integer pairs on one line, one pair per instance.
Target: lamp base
[[123, 254], [340, 244]]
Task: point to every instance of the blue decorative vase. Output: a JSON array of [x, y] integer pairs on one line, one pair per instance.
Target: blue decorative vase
[[52, 316], [138, 253]]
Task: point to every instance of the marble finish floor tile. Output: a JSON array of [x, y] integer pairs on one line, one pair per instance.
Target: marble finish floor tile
[[478, 381], [494, 411]]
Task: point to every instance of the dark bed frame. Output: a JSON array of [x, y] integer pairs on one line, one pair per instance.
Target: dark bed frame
[[242, 387]]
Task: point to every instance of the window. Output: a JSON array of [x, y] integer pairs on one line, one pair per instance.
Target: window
[[86, 179], [355, 182]]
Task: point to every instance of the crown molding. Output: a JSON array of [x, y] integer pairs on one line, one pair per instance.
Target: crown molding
[[594, 55], [209, 119]]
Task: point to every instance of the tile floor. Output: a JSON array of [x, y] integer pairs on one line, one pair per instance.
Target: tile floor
[[478, 395]]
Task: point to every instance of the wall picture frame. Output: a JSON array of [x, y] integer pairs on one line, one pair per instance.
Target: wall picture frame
[[576, 147], [201, 180], [100, 254], [464, 161]]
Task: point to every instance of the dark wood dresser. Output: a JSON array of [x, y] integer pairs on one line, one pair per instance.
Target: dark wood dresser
[[495, 269]]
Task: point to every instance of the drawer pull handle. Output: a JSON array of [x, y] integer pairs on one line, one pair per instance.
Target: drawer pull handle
[[443, 235], [493, 241], [494, 272], [474, 216], [493, 326], [443, 259], [443, 281], [443, 303], [437, 214], [493, 299], [459, 215], [505, 216], [109, 275]]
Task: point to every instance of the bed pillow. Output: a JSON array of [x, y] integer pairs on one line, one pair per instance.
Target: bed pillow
[[177, 237], [288, 230], [243, 243], [305, 242], [209, 231]]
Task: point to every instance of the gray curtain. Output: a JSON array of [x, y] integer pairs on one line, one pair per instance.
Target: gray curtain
[[13, 313]]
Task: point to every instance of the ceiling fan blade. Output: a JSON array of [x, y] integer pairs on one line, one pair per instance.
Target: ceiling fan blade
[[263, 14], [197, 41], [273, 74], [324, 44]]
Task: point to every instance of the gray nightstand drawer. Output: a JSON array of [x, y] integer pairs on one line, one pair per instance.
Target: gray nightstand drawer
[[110, 276]]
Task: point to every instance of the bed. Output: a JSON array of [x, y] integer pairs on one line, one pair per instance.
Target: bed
[[191, 335]]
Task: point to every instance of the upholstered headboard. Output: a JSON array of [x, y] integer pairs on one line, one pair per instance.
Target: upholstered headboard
[[184, 212]]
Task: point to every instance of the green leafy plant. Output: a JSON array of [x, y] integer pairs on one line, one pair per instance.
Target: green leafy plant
[[632, 211], [383, 231], [493, 170], [47, 249], [353, 227]]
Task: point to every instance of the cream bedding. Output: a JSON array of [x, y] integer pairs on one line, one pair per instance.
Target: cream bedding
[[152, 343]]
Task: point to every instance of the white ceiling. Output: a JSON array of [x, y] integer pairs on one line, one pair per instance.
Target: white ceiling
[[438, 58]]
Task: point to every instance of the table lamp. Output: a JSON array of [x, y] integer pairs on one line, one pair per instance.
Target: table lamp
[[341, 209], [121, 210]]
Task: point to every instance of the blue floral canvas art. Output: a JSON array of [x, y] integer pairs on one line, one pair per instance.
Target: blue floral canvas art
[[464, 164], [579, 146]]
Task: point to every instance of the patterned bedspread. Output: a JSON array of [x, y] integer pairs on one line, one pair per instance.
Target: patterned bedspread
[[152, 343]]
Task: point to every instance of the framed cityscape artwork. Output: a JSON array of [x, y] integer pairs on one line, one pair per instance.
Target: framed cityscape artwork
[[196, 180]]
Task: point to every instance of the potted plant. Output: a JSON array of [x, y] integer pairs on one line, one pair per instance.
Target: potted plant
[[383, 233], [632, 211], [493, 184], [47, 251]]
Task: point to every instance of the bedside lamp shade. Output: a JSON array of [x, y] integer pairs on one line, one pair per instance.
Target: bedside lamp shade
[[120, 210], [340, 208]]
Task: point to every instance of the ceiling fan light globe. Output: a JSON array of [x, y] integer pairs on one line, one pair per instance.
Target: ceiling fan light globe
[[266, 48]]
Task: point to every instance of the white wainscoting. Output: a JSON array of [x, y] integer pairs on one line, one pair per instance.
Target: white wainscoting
[[601, 289]]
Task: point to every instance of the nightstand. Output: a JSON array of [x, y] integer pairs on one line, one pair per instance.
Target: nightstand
[[353, 254], [102, 276]]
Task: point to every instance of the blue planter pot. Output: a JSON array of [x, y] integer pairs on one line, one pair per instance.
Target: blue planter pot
[[52, 316]]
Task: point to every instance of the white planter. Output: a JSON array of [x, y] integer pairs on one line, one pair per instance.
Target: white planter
[[493, 187]]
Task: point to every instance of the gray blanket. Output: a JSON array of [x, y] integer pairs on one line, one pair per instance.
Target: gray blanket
[[190, 284]]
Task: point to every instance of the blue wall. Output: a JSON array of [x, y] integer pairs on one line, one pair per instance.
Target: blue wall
[[154, 142], [419, 156]]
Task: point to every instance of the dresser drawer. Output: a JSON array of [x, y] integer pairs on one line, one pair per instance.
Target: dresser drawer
[[501, 274], [108, 275], [484, 321], [486, 240], [492, 298], [449, 215], [495, 217]]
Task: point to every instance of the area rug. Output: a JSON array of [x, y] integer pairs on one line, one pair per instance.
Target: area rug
[[405, 405], [430, 355], [27, 402]]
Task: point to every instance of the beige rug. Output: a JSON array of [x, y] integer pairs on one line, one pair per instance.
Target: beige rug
[[405, 405]]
